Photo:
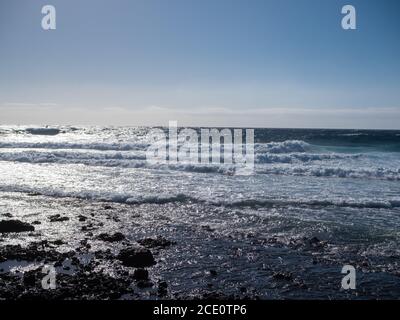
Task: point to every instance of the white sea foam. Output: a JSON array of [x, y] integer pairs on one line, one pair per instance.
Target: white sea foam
[[302, 157], [287, 146], [134, 199], [116, 146], [301, 163], [338, 172], [295, 164]]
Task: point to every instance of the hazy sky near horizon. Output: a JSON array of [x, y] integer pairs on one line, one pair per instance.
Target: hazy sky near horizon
[[262, 63]]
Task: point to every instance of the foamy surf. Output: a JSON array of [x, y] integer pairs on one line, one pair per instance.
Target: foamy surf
[[314, 195]]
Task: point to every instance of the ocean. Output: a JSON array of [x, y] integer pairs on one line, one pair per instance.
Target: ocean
[[319, 199]]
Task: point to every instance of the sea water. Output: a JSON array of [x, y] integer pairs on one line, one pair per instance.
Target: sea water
[[340, 186]]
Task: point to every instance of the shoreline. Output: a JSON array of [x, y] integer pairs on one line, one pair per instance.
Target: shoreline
[[167, 258]]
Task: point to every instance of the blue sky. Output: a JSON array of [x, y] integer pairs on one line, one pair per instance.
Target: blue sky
[[202, 62]]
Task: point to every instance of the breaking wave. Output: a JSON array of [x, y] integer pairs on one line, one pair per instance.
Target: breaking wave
[[303, 157], [295, 164], [288, 146], [337, 172], [116, 146], [133, 199]]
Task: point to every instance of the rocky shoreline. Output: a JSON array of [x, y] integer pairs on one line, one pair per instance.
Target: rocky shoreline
[[83, 282], [96, 257]]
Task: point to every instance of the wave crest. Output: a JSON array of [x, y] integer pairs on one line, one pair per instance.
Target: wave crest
[[132, 199]]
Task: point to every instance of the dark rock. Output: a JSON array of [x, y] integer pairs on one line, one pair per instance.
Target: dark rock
[[43, 244], [36, 222], [30, 278], [213, 273], [118, 236], [314, 242], [7, 226], [57, 218], [283, 276], [365, 263], [215, 295], [7, 215], [78, 285], [141, 274], [58, 263], [162, 288], [107, 207], [301, 285], [88, 227], [32, 252], [144, 284], [158, 242], [82, 218], [75, 261], [137, 257], [34, 194], [207, 228], [105, 255]]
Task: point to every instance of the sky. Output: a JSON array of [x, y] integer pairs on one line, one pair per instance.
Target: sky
[[234, 63]]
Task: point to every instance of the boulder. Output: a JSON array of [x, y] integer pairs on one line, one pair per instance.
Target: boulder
[[136, 257], [118, 236], [58, 218], [141, 274], [283, 276], [158, 242], [8, 226]]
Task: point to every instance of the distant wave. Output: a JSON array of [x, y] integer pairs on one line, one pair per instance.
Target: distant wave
[[67, 156], [364, 203], [356, 134], [116, 146]]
